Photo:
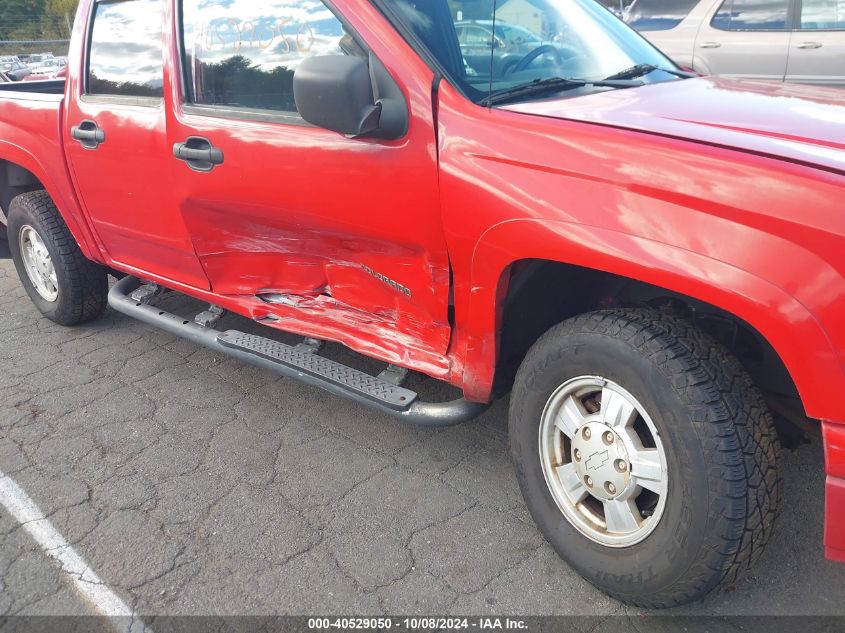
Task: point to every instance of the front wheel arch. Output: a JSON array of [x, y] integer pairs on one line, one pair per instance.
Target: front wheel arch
[[799, 340]]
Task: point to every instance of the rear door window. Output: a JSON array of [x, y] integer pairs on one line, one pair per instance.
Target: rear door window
[[819, 15], [659, 15], [752, 15], [125, 58]]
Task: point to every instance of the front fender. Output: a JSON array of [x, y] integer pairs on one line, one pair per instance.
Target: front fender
[[793, 331]]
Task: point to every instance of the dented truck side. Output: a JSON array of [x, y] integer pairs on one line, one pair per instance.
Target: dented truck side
[[456, 248]]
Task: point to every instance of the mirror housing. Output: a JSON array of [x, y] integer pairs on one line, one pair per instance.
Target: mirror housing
[[336, 92]]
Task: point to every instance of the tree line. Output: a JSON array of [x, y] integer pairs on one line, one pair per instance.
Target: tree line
[[36, 19]]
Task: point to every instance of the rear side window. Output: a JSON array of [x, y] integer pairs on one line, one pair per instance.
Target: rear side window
[[822, 14], [751, 15], [242, 53], [659, 15], [125, 55]]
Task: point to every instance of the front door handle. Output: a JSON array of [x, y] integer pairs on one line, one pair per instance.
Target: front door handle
[[809, 45], [709, 45], [198, 153], [88, 134]]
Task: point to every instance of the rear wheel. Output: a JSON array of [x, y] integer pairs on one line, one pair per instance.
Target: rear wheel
[[65, 286], [645, 455]]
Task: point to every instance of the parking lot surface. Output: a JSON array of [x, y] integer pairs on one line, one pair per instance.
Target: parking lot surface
[[193, 484]]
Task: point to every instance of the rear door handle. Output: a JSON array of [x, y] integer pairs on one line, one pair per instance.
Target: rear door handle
[[88, 134], [709, 45], [198, 153], [809, 45]]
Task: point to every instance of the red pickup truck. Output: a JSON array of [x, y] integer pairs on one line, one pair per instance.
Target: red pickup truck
[[651, 264]]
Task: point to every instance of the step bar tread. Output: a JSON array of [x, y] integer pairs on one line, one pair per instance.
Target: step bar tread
[[318, 366]]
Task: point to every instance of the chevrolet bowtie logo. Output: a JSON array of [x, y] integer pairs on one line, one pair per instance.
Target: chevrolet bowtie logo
[[596, 460]]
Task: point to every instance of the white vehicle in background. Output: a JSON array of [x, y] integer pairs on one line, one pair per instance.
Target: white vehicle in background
[[781, 40], [35, 60], [49, 66]]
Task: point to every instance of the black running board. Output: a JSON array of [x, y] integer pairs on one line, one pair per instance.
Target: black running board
[[299, 362]]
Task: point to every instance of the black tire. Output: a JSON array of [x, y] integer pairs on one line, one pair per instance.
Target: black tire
[[82, 284], [724, 490]]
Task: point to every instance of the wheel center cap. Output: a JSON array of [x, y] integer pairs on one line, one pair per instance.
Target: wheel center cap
[[40, 258], [601, 460]]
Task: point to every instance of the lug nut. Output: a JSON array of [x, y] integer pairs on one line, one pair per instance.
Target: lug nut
[[586, 433], [610, 487], [577, 455], [608, 437], [589, 481], [621, 465]]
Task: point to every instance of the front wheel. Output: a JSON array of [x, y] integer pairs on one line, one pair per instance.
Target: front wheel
[[645, 455]]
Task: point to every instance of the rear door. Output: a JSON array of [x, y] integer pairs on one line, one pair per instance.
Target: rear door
[[817, 46], [116, 142], [343, 230], [745, 38]]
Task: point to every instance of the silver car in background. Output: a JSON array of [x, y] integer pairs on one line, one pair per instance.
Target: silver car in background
[[782, 40], [14, 68]]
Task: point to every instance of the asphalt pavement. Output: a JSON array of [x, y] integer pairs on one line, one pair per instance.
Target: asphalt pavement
[[194, 484]]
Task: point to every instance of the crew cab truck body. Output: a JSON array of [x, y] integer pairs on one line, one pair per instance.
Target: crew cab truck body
[[653, 265]]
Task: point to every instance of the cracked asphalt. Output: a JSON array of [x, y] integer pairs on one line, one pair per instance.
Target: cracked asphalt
[[194, 484]]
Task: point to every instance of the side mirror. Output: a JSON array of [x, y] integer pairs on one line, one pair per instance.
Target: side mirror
[[336, 92]]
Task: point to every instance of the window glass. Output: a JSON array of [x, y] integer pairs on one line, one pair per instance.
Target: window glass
[[751, 15], [125, 57], [659, 15], [513, 35], [822, 14], [242, 53], [475, 36]]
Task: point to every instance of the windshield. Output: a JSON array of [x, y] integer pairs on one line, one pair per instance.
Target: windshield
[[494, 46]]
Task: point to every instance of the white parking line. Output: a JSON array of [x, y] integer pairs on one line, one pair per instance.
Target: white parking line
[[103, 599]]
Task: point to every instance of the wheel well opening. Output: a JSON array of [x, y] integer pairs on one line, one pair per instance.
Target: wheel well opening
[[14, 180], [541, 294]]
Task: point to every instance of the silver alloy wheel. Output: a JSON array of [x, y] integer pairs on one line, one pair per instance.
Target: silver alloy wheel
[[603, 461], [38, 264]]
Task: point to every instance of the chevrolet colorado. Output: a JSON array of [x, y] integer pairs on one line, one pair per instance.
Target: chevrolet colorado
[[651, 264]]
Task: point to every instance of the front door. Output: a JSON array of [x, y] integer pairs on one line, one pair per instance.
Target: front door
[[817, 46], [744, 38], [342, 231], [116, 142]]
